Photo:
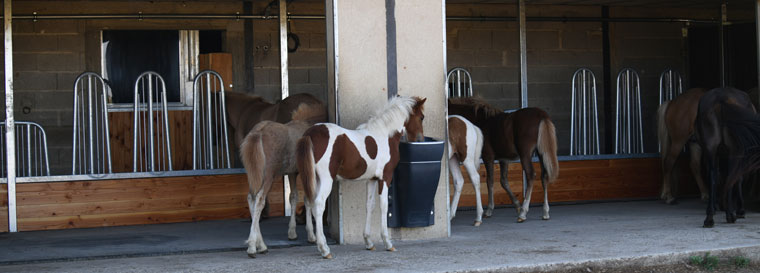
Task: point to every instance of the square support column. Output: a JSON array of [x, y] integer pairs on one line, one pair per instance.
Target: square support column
[[358, 85]]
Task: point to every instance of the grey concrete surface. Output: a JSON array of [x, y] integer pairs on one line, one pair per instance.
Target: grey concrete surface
[[142, 240], [602, 234]]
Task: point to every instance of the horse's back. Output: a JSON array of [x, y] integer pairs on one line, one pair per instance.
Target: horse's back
[[682, 112]]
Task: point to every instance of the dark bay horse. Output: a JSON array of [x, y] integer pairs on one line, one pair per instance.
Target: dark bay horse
[[245, 111], [728, 131], [370, 153], [508, 136], [675, 129], [268, 152]]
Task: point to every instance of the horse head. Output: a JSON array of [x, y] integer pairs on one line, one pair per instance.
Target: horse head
[[413, 125]]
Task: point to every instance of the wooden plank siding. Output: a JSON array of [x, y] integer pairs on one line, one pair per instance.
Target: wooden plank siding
[[180, 131], [61, 205], [585, 180]]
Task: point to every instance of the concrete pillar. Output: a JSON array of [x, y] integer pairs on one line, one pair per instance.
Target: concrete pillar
[[358, 81]]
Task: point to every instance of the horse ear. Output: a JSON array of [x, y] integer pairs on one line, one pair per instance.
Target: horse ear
[[422, 101]]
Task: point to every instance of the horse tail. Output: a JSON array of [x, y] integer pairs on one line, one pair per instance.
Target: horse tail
[[547, 148], [310, 112], [478, 143], [662, 130], [744, 126], [254, 161], [305, 164]]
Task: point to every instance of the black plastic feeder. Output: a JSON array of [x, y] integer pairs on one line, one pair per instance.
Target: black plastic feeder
[[414, 184]]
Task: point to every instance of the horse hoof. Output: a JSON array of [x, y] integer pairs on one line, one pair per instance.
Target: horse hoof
[[740, 215], [265, 251], [708, 224], [545, 218], [311, 241], [671, 201], [252, 255], [293, 239], [329, 256], [477, 223], [371, 248], [392, 249]]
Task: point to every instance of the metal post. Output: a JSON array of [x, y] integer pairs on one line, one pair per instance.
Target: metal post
[[10, 134], [284, 83], [757, 37], [284, 49], [523, 56], [721, 44]]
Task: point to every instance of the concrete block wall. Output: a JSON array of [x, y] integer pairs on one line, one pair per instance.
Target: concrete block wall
[[555, 50], [48, 56], [306, 67]]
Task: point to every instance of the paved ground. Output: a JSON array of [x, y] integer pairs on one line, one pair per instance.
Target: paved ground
[[603, 234]]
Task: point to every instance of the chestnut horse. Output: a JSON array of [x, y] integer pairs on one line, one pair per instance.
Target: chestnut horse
[[675, 129], [465, 145], [508, 136], [728, 131], [370, 153], [268, 152], [245, 111]]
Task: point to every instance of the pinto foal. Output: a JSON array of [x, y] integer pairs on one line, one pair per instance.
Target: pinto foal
[[268, 151], [369, 153], [465, 145]]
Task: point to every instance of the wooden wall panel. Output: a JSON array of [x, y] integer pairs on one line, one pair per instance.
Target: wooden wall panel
[[578, 181], [181, 135], [60, 205]]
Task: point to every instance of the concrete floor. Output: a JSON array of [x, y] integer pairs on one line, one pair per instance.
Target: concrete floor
[[601, 234]]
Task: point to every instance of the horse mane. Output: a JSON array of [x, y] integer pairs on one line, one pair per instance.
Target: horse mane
[[391, 118], [248, 97], [477, 104], [311, 113]]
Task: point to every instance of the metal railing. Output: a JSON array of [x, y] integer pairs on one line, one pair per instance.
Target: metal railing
[[628, 130], [151, 143], [458, 83], [670, 85], [210, 141], [91, 145], [31, 150], [584, 128]]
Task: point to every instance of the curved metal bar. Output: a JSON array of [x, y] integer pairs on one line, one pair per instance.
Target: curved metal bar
[[628, 127], [91, 149], [462, 79], [204, 156], [584, 126], [146, 134], [670, 85]]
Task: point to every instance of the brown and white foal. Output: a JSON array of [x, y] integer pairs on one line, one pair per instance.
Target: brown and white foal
[[370, 153], [465, 145], [268, 152]]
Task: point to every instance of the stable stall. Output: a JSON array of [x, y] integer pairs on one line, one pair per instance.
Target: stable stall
[[352, 55]]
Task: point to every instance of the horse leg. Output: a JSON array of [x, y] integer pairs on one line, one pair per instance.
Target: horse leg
[[528, 178], [711, 169], [384, 217], [325, 186], [310, 237], [526, 202], [262, 199], [488, 162], [545, 185], [670, 156], [292, 235], [696, 155], [371, 188], [253, 235], [504, 170], [740, 213], [472, 170], [456, 173]]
